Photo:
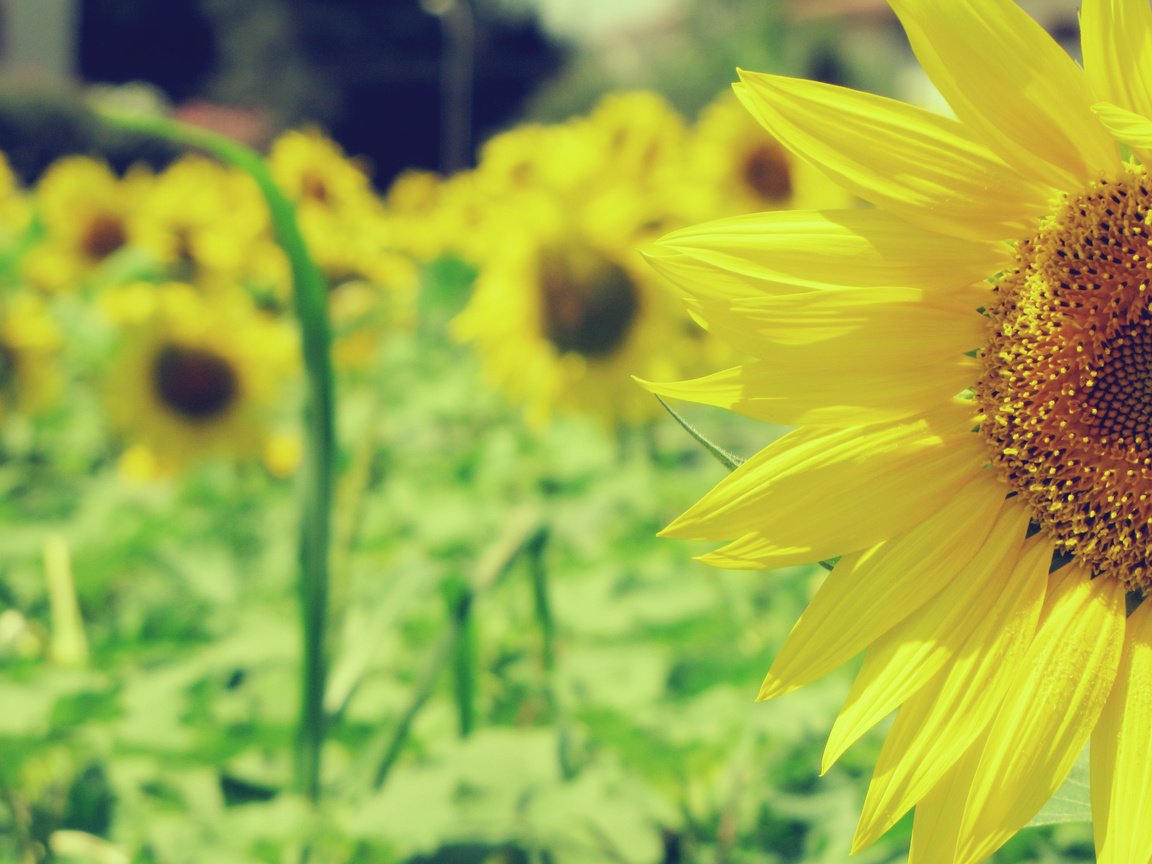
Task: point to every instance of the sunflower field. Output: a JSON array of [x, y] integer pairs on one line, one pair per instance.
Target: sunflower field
[[363, 521]]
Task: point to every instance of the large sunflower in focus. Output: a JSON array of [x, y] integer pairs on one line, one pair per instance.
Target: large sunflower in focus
[[970, 366], [194, 380]]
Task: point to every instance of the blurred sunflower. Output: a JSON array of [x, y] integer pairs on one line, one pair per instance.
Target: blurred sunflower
[[563, 313], [996, 544], [203, 220], [737, 167], [195, 380], [563, 310], [350, 238], [30, 341], [87, 214]]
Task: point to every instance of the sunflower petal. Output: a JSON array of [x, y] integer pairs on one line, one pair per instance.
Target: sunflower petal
[[899, 157], [866, 328], [869, 593], [1011, 84], [902, 661], [1135, 130], [937, 725], [798, 395], [1122, 754], [819, 493], [783, 252], [1116, 40], [1050, 710]]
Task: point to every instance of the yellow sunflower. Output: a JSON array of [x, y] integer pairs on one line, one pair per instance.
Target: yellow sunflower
[[195, 380], [737, 167], [88, 216], [970, 366], [563, 312], [350, 237], [203, 220], [30, 343]]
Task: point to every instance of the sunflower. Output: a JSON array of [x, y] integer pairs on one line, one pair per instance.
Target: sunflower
[[88, 216], [203, 220], [30, 342], [562, 317], [194, 380], [350, 237], [970, 367], [738, 168]]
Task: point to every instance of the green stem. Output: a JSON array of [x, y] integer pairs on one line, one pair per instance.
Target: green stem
[[316, 472], [522, 531], [458, 595], [541, 600]]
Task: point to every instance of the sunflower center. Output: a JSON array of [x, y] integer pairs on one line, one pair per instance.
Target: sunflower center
[[764, 170], [1066, 388], [102, 236], [587, 306], [315, 187], [197, 384]]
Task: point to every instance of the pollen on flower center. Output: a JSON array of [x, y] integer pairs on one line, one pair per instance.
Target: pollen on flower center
[[1066, 388], [194, 383], [587, 306]]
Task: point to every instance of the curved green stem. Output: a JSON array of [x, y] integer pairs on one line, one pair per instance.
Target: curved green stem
[[316, 472]]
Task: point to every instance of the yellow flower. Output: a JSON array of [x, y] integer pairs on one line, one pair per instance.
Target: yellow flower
[[349, 236], [316, 174], [87, 213], [29, 347], [737, 167], [564, 312], [195, 380], [970, 367], [203, 220]]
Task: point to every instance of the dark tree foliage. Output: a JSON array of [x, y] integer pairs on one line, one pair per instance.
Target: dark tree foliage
[[373, 68], [384, 59], [169, 43]]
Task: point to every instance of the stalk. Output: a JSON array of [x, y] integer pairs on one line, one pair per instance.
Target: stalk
[[316, 472]]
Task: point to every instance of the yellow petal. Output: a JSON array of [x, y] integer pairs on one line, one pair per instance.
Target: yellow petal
[[784, 251], [1135, 130], [1122, 754], [903, 660], [795, 394], [1012, 85], [818, 493], [1050, 710], [1116, 40], [867, 328], [901, 158], [869, 593], [937, 725]]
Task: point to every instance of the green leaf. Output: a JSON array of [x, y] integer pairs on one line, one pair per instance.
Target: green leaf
[[1072, 802]]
